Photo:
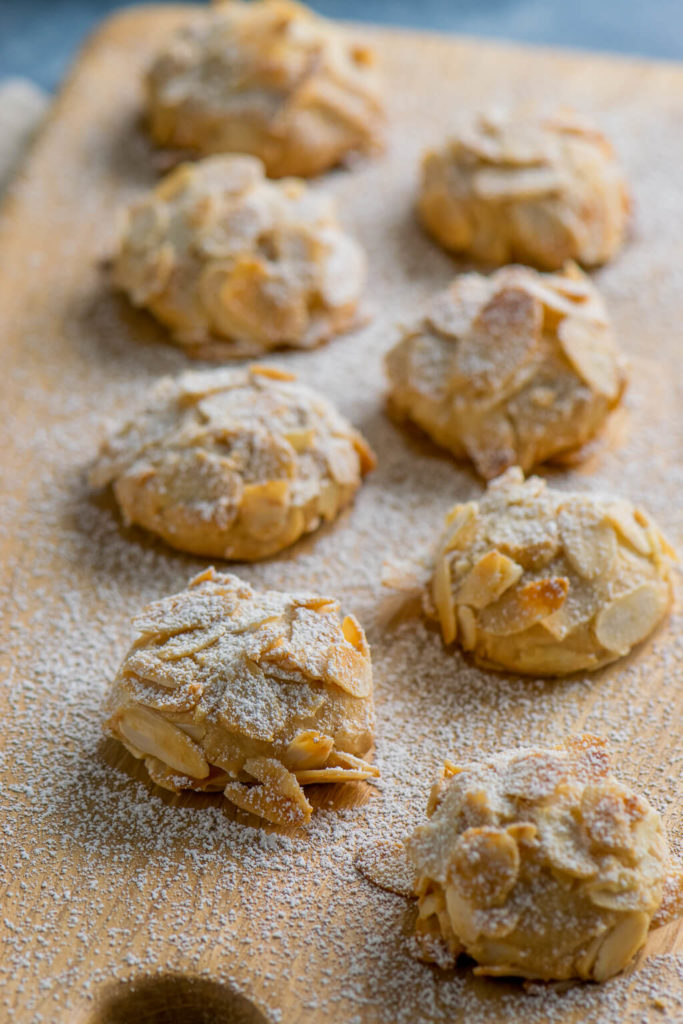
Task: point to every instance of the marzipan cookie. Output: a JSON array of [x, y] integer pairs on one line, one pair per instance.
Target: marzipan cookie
[[234, 464], [546, 582], [252, 693], [528, 189], [538, 863], [509, 370], [268, 78], [235, 265]]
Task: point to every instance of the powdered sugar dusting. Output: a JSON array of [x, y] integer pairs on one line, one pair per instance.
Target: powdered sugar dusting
[[105, 877]]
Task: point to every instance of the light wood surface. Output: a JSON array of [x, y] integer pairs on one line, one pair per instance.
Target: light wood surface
[[123, 903]]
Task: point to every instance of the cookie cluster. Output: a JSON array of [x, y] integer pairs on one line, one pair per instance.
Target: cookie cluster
[[536, 862]]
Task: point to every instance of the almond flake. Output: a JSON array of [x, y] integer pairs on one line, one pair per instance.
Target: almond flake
[[629, 618], [589, 541], [492, 575]]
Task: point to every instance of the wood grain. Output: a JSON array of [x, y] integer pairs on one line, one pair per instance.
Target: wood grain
[[167, 933]]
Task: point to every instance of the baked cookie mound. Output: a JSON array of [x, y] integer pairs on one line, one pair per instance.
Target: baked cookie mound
[[540, 864], [236, 265], [547, 582], [253, 693], [511, 369], [268, 78], [234, 464], [527, 189]]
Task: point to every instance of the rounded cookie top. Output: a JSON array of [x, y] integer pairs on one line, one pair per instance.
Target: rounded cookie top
[[268, 78], [546, 582], [510, 369], [538, 863], [236, 265], [255, 693], [234, 464], [524, 188]]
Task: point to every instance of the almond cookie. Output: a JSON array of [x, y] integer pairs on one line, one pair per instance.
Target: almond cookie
[[234, 464], [528, 189], [540, 864], [252, 693], [236, 265], [268, 78], [511, 369], [547, 582]]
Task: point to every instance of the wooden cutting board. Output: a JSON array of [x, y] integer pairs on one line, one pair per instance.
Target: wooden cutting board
[[123, 903]]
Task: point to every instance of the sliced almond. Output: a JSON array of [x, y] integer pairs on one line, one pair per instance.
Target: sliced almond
[[622, 515], [300, 440], [279, 798], [629, 618], [492, 575], [519, 609], [494, 184], [265, 508], [272, 372], [342, 460], [368, 460], [484, 865], [350, 670], [150, 733], [452, 311], [591, 354], [324, 775], [589, 540], [353, 634], [467, 625], [308, 749], [460, 527], [443, 600], [504, 337], [581, 604], [621, 944], [342, 759]]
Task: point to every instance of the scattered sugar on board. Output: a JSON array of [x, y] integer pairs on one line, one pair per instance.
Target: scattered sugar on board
[[104, 876]]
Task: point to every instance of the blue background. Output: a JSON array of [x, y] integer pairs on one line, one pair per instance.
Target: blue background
[[38, 38]]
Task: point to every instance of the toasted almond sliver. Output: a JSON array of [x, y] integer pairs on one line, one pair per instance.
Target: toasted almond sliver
[[621, 944], [308, 750], [265, 507], [596, 364], [631, 617], [621, 515], [342, 759], [350, 670], [488, 579], [484, 865], [589, 540], [443, 599], [494, 183], [321, 775], [152, 734], [274, 372], [522, 608], [354, 634], [274, 807], [504, 336], [300, 440], [461, 526], [279, 798], [467, 625], [368, 459], [451, 312]]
